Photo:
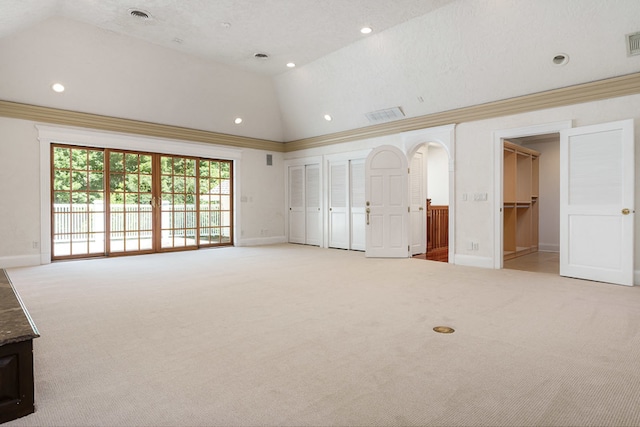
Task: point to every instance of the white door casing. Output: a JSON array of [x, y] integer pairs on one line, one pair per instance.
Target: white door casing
[[386, 208], [597, 202], [444, 136]]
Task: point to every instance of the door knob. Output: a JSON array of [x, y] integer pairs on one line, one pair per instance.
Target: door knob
[[626, 211]]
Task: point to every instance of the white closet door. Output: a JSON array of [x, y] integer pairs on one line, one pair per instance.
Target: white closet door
[[597, 202], [387, 205], [296, 204], [313, 214], [417, 203], [339, 205], [358, 227]]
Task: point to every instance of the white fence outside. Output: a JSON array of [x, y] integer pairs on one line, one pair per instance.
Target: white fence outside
[[76, 221]]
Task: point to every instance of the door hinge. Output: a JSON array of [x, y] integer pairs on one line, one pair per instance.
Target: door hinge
[[409, 209], [409, 171]]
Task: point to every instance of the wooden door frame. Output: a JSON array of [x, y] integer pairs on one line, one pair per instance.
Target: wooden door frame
[[498, 140], [48, 135]]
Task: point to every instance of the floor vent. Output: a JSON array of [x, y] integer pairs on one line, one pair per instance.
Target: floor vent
[[633, 44], [385, 115]]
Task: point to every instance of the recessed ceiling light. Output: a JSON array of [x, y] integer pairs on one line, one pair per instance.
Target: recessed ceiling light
[[291, 65], [560, 59], [238, 120], [328, 117], [366, 30], [57, 87], [225, 25]]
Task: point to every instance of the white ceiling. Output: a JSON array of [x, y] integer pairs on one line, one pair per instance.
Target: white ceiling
[[298, 31]]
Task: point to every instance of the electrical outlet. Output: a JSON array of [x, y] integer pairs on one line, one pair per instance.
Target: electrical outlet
[[34, 244], [475, 246]]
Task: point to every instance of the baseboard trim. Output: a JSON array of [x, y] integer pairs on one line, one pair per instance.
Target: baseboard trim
[[19, 261], [261, 241], [473, 261]]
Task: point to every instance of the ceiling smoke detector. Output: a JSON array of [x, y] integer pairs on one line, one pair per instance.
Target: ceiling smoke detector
[[140, 14]]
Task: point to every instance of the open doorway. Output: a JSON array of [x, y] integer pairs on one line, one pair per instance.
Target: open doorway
[[528, 220], [596, 186], [429, 202], [544, 252]]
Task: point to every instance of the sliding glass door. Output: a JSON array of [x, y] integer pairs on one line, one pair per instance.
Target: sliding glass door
[[116, 202], [179, 210], [78, 202], [130, 195]]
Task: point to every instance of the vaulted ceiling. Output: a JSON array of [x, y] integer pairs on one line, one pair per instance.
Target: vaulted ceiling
[[191, 63], [230, 32]]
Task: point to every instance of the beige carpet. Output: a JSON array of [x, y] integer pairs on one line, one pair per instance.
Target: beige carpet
[[299, 336]]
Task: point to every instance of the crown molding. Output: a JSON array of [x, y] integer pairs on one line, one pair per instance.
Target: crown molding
[[593, 91], [94, 121]]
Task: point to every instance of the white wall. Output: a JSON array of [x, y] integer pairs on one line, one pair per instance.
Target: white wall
[[464, 53], [19, 193], [475, 164], [108, 74], [549, 200], [437, 175], [259, 198]]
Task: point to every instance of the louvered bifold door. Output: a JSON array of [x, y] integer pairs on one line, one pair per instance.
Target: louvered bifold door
[[296, 205], [312, 201], [339, 205]]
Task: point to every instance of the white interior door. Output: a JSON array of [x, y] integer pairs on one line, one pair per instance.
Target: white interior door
[[597, 202], [416, 205], [339, 204], [357, 199], [386, 208], [296, 205], [313, 216]]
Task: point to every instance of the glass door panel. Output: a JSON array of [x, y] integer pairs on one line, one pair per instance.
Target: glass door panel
[[215, 202], [179, 210], [77, 211], [130, 197]]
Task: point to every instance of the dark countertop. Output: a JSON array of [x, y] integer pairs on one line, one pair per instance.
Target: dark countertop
[[15, 323]]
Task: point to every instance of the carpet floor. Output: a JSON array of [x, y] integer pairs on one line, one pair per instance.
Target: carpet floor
[[290, 335]]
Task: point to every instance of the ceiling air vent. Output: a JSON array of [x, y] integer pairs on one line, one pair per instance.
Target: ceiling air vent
[[140, 14], [633, 44], [385, 115]]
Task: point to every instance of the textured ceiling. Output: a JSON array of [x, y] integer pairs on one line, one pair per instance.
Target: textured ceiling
[[298, 31]]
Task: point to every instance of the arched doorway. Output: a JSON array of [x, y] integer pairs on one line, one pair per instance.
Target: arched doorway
[[430, 153]]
